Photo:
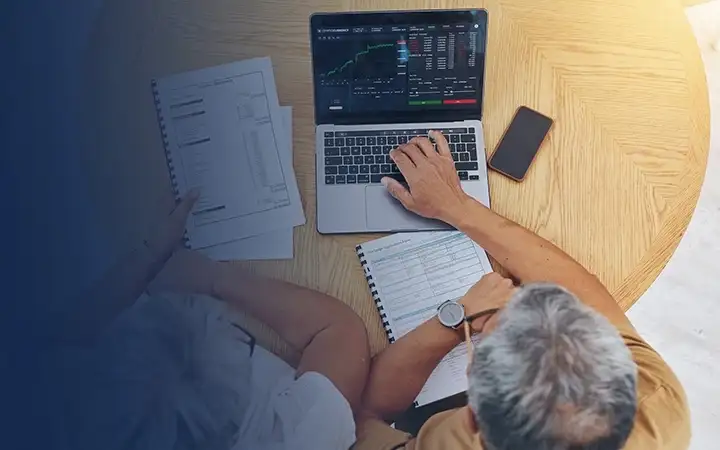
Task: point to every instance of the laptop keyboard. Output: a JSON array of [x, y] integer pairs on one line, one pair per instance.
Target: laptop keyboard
[[362, 157]]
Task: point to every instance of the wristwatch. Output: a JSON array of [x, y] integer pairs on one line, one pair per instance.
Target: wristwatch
[[451, 314]]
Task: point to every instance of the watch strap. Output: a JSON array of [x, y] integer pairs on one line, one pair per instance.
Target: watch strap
[[477, 315], [488, 312]]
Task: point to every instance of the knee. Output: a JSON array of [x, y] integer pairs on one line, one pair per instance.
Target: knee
[[354, 329]]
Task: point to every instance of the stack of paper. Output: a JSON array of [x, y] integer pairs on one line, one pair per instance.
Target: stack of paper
[[226, 134], [274, 245]]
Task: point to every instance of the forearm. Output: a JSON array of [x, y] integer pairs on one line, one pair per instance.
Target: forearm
[[398, 373], [526, 255], [530, 258]]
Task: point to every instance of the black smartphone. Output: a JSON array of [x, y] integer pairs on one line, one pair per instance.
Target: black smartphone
[[520, 143]]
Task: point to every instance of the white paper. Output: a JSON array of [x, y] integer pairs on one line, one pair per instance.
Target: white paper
[[274, 245], [413, 274], [224, 135]]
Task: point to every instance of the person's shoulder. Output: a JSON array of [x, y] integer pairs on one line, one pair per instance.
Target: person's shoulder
[[662, 420], [654, 375], [449, 429]]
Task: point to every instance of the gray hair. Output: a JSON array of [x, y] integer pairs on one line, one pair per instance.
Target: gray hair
[[553, 375]]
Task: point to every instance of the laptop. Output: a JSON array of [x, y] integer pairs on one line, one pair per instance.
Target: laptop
[[380, 79]]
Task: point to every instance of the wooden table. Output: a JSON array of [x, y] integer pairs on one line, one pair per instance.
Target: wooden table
[[614, 186]]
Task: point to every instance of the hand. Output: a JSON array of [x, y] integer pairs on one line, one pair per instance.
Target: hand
[[435, 190], [169, 232], [492, 291], [186, 272]]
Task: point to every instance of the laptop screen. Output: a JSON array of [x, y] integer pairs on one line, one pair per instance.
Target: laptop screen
[[393, 67]]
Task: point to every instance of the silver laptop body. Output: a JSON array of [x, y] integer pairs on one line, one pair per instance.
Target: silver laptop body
[[352, 149]]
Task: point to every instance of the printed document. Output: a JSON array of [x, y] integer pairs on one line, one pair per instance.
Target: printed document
[[224, 134], [274, 245], [412, 274]]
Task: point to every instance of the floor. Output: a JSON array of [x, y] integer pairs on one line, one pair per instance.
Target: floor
[[679, 314]]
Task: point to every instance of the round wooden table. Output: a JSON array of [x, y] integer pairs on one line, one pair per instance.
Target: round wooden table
[[614, 186]]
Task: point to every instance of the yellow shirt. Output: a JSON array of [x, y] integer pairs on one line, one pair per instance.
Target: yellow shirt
[[662, 421]]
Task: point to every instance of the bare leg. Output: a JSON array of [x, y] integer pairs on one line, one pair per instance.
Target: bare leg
[[330, 337]]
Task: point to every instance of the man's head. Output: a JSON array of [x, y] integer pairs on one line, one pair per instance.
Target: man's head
[[552, 375]]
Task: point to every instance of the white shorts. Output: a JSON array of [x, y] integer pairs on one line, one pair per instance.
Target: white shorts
[[298, 414]]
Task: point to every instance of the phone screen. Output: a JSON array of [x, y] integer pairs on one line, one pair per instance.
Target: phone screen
[[520, 144]]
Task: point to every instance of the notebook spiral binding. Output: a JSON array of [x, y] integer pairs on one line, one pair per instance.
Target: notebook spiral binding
[[375, 295], [166, 147]]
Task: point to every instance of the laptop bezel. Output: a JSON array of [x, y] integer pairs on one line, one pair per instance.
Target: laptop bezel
[[347, 19]]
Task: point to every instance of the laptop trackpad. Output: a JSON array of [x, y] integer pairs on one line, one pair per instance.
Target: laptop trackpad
[[384, 213]]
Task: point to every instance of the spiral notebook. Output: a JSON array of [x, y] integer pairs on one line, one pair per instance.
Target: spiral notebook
[[223, 133], [409, 275]]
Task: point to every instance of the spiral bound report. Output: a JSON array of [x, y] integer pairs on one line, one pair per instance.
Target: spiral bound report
[[375, 295], [225, 135], [166, 147], [409, 275]]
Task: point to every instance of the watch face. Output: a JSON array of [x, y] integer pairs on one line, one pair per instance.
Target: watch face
[[451, 314]]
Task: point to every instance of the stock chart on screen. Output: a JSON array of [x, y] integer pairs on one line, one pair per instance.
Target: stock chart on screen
[[398, 67]]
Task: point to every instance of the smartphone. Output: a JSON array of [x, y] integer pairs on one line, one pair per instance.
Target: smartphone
[[520, 143]]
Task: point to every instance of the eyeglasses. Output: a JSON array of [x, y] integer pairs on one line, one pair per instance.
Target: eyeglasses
[[246, 338], [468, 335]]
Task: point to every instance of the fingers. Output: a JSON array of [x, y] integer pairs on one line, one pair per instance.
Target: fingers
[[441, 143], [495, 279], [414, 153], [493, 276], [398, 191], [182, 210], [403, 161], [424, 145]]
